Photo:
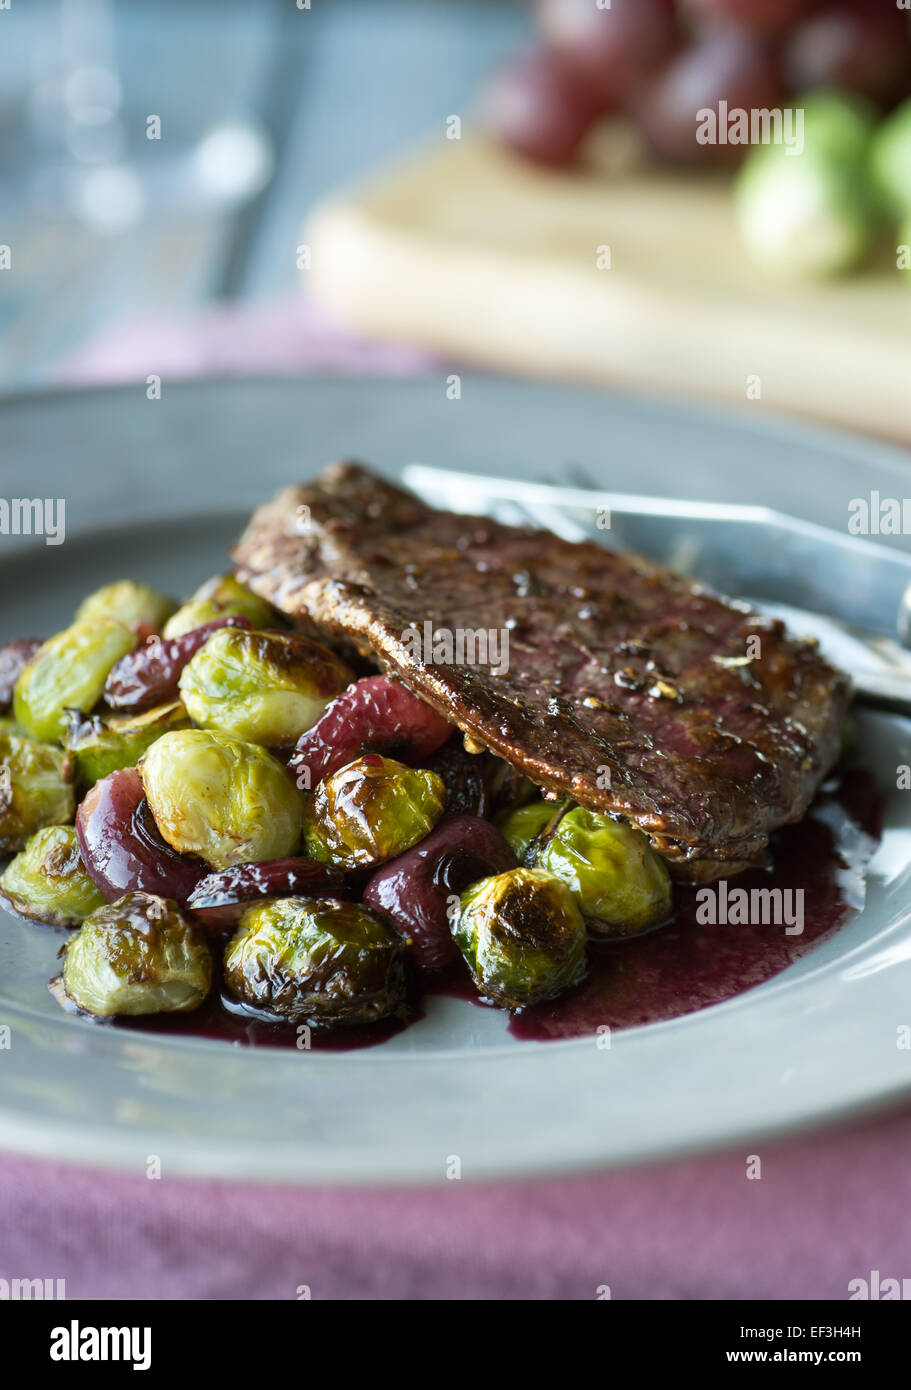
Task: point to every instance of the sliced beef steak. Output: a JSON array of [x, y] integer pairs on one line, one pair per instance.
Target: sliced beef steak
[[632, 689]]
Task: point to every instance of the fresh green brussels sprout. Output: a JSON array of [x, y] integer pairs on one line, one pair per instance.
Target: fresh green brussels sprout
[[371, 810], [837, 125], [35, 790], [47, 881], [621, 885], [215, 796], [265, 687], [522, 936], [520, 827], [130, 603], [812, 213], [68, 672], [9, 726], [890, 158], [100, 744], [221, 597], [137, 955], [317, 959]]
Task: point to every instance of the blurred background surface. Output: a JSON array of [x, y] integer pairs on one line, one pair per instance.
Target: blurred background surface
[[198, 189], [263, 107]]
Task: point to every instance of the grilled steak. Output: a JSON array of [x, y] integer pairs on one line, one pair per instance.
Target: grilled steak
[[628, 687]]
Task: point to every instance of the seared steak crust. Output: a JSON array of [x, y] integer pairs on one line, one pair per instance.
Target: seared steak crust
[[630, 688]]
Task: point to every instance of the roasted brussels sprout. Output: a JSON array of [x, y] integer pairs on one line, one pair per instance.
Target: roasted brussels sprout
[[137, 955], [418, 889], [130, 603], [47, 881], [370, 811], [228, 801], [121, 847], [35, 790], [374, 715], [316, 959], [222, 597], [621, 885], [68, 672], [98, 745], [265, 687], [522, 936], [523, 825]]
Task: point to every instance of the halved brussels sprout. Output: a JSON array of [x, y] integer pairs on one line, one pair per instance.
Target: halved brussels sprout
[[524, 825], [227, 801], [99, 745], [68, 672], [372, 810], [35, 790], [47, 881], [265, 687], [522, 936], [317, 959], [621, 885], [137, 955], [221, 597], [130, 603]]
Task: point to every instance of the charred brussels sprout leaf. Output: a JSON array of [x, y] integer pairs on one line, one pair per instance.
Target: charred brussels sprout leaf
[[522, 936], [137, 955], [35, 790], [264, 687], [621, 885], [372, 810], [221, 597], [47, 881], [130, 603], [317, 959], [215, 796], [68, 672], [98, 746]]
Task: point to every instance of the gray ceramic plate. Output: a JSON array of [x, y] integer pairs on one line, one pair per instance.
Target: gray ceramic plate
[[157, 490]]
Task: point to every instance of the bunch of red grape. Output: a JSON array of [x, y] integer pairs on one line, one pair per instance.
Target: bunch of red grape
[[662, 61]]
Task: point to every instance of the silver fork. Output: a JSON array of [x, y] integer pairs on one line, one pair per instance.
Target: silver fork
[[738, 549]]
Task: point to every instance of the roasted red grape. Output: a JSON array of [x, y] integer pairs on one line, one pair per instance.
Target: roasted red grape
[[121, 847], [149, 675], [537, 108], [763, 16], [416, 889], [220, 899], [13, 658], [374, 715], [613, 49], [723, 65], [860, 46]]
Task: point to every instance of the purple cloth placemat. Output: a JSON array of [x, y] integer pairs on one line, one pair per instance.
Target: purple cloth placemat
[[827, 1209]]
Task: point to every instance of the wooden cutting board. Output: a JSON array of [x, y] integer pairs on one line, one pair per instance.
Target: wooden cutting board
[[465, 250]]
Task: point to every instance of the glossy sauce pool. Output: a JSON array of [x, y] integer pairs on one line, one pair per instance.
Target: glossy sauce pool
[[685, 965]]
